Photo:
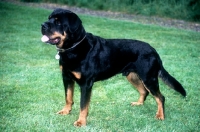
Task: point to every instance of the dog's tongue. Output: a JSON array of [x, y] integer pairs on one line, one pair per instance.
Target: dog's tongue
[[44, 38]]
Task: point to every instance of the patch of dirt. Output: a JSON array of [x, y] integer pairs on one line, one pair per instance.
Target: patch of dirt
[[167, 22]]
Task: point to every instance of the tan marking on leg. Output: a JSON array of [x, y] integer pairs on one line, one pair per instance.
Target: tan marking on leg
[[133, 78], [160, 103], [69, 101], [137, 83], [82, 118], [77, 75]]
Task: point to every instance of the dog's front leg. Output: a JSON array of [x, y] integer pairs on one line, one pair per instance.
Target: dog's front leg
[[84, 104], [69, 92]]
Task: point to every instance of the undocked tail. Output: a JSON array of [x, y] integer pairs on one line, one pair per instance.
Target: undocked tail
[[171, 81]]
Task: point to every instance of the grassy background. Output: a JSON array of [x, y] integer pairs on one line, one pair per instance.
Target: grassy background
[[179, 9], [31, 89]]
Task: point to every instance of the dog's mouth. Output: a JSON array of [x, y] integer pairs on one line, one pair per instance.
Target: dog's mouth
[[53, 41]]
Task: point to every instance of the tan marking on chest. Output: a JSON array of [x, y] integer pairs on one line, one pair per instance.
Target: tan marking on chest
[[61, 67], [77, 75]]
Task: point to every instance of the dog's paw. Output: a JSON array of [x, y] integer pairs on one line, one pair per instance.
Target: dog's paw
[[136, 103], [80, 123], [159, 116], [64, 111]]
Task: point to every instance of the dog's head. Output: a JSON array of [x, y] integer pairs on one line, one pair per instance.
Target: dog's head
[[63, 29]]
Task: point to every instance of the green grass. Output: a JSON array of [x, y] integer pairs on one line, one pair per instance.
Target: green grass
[[31, 89], [178, 9]]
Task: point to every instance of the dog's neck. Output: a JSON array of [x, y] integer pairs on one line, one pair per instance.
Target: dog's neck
[[74, 45]]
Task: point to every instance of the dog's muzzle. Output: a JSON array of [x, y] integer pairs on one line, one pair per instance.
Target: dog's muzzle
[[44, 28]]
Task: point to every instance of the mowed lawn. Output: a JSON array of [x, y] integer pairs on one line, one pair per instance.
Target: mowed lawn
[[31, 89]]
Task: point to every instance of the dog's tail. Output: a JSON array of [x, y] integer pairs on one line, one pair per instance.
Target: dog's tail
[[171, 81]]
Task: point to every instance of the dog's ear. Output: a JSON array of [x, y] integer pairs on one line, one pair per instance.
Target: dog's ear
[[70, 20], [73, 21]]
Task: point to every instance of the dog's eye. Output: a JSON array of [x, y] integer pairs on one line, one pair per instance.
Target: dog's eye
[[57, 22]]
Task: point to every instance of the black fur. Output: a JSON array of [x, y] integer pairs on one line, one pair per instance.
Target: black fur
[[96, 58]]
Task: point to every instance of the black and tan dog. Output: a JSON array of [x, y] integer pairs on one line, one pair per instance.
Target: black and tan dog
[[86, 58]]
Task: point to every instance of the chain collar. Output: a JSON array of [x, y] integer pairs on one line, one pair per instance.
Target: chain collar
[[63, 50]]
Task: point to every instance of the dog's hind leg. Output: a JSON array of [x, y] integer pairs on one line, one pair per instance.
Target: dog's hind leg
[[137, 83], [160, 99], [153, 87]]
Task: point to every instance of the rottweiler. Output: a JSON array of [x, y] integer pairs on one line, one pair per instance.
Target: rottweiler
[[86, 58]]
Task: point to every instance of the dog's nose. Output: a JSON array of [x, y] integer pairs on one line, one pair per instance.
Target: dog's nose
[[45, 26]]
